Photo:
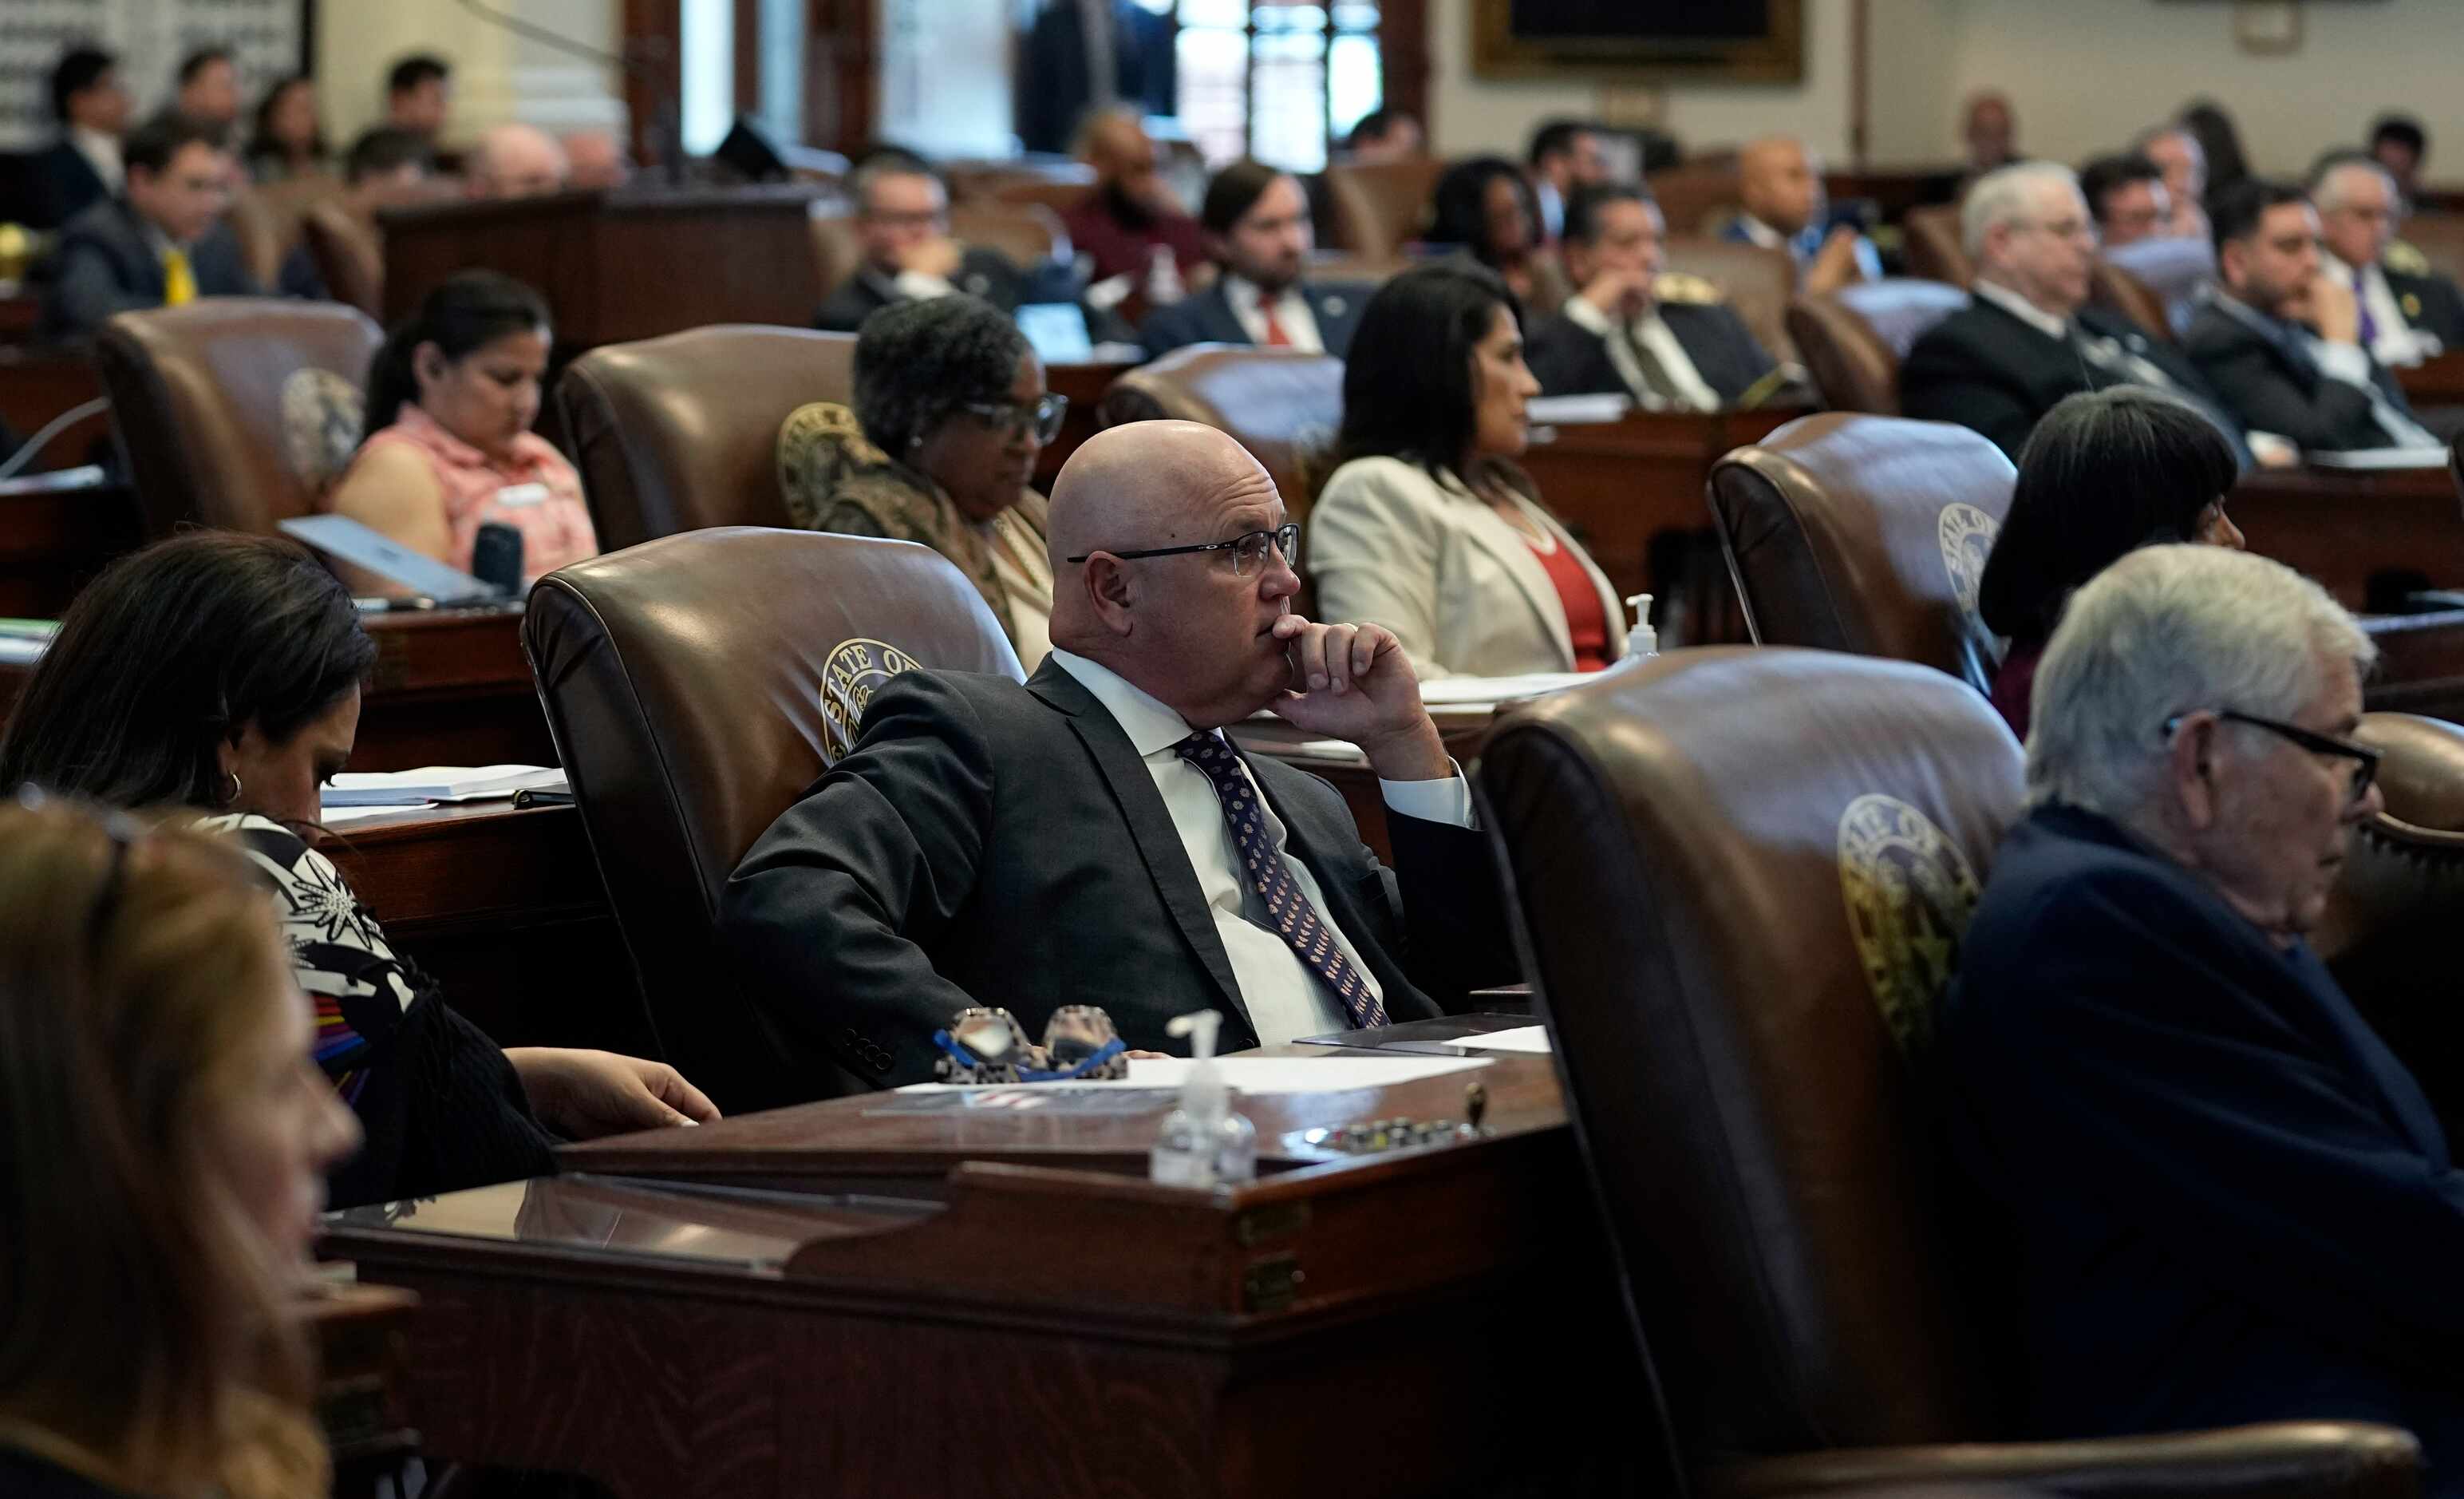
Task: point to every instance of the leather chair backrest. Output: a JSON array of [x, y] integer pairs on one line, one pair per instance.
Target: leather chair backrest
[[1698, 197], [1028, 234], [198, 398], [1742, 877], [348, 254], [2116, 290], [836, 254], [1866, 534], [681, 432], [1853, 339], [2440, 239], [1757, 283], [696, 686], [266, 219], [2173, 270], [1058, 195], [1284, 405], [985, 177], [1934, 249], [1379, 207]]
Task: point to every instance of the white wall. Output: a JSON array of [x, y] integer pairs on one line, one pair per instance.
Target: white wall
[[2085, 75]]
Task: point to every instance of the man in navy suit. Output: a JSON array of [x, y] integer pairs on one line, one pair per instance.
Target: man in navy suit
[[2230, 1201], [160, 243], [1619, 335], [82, 167], [1257, 223], [1785, 208]]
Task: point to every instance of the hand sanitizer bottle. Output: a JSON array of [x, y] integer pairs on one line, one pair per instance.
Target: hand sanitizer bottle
[[1203, 1142], [1640, 639]]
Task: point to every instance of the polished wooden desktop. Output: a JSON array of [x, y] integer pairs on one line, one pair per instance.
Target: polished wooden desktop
[[976, 1301], [2435, 381], [2344, 526], [58, 529]]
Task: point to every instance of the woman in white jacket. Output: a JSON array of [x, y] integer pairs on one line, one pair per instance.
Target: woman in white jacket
[[1429, 528]]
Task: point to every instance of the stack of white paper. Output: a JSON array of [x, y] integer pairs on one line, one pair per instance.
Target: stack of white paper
[[1340, 1073], [440, 783], [1456, 691]]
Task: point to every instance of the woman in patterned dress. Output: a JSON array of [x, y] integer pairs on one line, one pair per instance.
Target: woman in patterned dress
[[221, 672]]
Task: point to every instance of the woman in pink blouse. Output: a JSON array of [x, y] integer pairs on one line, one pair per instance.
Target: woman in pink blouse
[[452, 396]]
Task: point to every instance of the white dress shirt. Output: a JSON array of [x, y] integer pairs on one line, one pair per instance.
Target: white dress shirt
[[1284, 1000], [2398, 344], [102, 152], [2110, 353], [1652, 331], [1291, 311]]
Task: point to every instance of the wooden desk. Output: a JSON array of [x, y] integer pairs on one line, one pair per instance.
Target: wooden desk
[[1632, 491], [58, 530], [1012, 1310], [2340, 527], [506, 909], [39, 382], [2435, 381], [450, 688]]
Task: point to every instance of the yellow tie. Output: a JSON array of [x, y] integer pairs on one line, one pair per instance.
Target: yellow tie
[[179, 283]]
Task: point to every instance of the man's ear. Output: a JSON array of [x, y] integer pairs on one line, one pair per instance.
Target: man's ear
[[1111, 590], [2189, 770]]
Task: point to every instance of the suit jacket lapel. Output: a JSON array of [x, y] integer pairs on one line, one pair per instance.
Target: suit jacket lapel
[[1150, 826], [1215, 314], [1333, 312], [1501, 541]]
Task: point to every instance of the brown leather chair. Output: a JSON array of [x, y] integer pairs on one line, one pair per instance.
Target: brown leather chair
[[1698, 196], [1755, 281], [1853, 339], [1807, 833], [696, 686], [681, 432], [350, 255], [2116, 290], [1866, 534], [1028, 234], [1378, 209], [266, 219], [1284, 405], [1058, 195], [197, 405], [2171, 270], [1933, 249], [836, 254]]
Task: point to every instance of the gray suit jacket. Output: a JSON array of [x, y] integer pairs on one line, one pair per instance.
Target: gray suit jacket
[[105, 264], [993, 843]]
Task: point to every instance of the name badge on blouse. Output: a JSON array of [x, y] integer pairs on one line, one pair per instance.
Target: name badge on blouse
[[514, 496]]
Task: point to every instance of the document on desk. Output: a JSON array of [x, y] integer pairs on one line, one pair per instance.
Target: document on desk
[[1327, 1074], [440, 783], [1457, 690], [2375, 460], [1522, 1039]]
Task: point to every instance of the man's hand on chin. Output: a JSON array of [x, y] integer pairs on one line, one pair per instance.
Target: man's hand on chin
[[1352, 682]]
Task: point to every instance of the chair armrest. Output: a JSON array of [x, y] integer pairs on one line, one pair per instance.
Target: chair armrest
[[2318, 1458]]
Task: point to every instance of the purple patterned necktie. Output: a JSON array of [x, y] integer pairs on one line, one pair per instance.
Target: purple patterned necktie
[[2369, 328], [1262, 867]]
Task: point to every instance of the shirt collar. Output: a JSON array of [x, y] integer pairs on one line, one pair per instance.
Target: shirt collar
[[1761, 234], [455, 451], [1587, 316], [2026, 311], [1151, 726], [2244, 313]]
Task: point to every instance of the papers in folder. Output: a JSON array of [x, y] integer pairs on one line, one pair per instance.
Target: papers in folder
[[1579, 410], [2378, 460], [23, 641], [440, 783], [1328, 1074], [1458, 692]]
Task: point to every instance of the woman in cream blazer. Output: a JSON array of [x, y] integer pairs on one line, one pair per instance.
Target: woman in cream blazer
[[1454, 565]]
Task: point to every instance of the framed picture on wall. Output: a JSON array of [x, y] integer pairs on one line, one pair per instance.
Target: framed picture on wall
[[1645, 41]]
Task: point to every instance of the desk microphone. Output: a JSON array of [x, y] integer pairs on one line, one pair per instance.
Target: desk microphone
[[497, 558]]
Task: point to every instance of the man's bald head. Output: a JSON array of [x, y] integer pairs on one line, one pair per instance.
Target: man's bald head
[[1187, 629], [1114, 141], [1777, 183], [516, 162], [595, 159]]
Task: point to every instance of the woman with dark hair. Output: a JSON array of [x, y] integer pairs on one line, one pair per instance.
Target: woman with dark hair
[[288, 140], [1484, 209], [950, 416], [2105, 472], [449, 446], [162, 1140], [2220, 140], [1429, 527], [221, 672]]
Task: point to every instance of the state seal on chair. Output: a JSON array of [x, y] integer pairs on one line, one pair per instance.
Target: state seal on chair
[[856, 669], [1967, 536], [1909, 893]]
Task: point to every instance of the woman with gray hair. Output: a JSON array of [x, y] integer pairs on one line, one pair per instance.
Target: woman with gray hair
[[2236, 1202], [950, 416]]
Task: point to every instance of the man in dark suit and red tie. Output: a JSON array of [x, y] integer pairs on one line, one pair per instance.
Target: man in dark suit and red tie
[[1090, 836], [1257, 222]]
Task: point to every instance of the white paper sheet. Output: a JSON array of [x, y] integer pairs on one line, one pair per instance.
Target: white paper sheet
[[1461, 689], [1527, 1040], [1341, 1073], [2372, 459], [441, 784], [1576, 410], [337, 816]]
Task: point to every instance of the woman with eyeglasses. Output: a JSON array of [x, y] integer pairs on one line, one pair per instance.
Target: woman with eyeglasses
[[1429, 527], [163, 1139], [2105, 474], [449, 446], [221, 674], [950, 416]]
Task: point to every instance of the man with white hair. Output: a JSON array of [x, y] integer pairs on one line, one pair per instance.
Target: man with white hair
[[2234, 1203], [2404, 317], [2184, 161], [2028, 337], [515, 162]]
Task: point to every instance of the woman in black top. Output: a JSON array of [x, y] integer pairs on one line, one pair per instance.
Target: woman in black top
[[221, 672]]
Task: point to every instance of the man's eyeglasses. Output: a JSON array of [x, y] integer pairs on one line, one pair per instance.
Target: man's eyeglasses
[[2364, 758], [1042, 418], [1248, 552]]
